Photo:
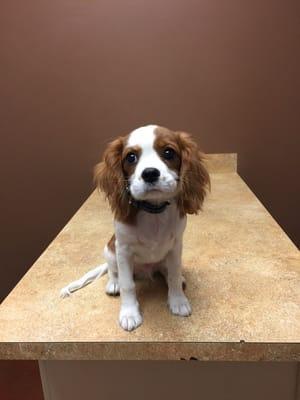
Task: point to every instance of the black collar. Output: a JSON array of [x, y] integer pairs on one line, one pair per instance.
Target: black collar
[[146, 205], [149, 207]]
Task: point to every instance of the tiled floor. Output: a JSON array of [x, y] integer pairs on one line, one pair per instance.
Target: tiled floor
[[20, 380]]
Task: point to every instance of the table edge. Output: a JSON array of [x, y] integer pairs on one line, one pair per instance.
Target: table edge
[[202, 351]]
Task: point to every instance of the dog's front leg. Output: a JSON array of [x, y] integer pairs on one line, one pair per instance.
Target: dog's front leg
[[130, 316], [178, 303]]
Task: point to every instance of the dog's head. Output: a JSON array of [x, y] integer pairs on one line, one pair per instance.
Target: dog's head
[[153, 164]]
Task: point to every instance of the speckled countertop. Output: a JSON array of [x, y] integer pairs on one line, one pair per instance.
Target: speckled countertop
[[243, 281]]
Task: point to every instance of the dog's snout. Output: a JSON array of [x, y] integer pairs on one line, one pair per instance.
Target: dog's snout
[[150, 175]]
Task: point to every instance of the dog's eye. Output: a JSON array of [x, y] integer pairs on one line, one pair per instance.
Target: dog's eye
[[169, 153], [131, 158]]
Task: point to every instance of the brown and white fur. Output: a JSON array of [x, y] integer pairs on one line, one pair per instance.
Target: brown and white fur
[[145, 241]]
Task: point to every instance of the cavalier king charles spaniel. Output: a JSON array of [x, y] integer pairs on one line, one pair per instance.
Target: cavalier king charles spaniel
[[152, 178]]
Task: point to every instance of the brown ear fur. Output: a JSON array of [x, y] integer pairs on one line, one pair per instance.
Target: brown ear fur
[[109, 177], [194, 178]]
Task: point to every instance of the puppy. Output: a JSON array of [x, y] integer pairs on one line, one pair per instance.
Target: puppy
[[152, 178]]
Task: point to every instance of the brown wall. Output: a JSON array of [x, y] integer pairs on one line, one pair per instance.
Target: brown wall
[[74, 74]]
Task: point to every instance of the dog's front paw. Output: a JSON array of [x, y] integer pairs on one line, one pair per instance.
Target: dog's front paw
[[179, 305], [130, 318]]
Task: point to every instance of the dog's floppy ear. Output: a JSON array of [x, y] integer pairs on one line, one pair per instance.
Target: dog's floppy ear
[[194, 178], [109, 177]]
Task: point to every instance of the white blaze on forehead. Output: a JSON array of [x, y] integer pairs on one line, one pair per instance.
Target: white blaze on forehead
[[143, 137]]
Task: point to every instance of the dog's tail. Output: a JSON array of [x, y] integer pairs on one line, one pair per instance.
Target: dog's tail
[[87, 278]]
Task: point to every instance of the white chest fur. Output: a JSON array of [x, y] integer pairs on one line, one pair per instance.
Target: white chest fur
[[153, 235]]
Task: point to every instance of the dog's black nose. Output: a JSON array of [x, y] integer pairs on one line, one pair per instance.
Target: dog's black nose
[[150, 175]]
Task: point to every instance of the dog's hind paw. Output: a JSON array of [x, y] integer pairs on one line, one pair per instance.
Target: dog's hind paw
[[112, 288]]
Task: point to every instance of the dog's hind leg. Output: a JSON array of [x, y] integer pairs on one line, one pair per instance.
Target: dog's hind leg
[[112, 286]]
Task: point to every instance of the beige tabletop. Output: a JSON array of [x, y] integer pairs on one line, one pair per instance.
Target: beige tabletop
[[243, 281]]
